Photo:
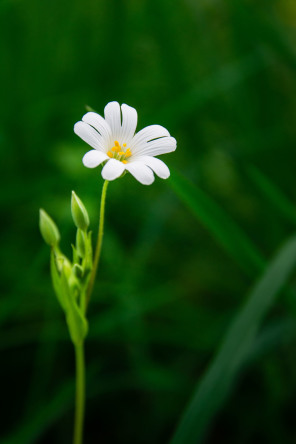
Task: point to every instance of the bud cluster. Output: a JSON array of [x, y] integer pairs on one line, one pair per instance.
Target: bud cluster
[[71, 278]]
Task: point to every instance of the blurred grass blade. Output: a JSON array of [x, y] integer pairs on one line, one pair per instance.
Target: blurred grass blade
[[277, 333], [221, 226], [273, 194], [216, 383]]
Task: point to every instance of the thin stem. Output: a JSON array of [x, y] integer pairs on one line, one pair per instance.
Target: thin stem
[[80, 394], [79, 351], [99, 243]]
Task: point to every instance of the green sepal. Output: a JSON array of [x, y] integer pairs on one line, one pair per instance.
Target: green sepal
[[83, 265], [81, 241], [56, 278], [77, 323], [75, 254]]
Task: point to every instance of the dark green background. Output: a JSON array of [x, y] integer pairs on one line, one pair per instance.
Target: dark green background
[[220, 75]]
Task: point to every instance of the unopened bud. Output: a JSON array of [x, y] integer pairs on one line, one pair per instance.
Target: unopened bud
[[79, 212], [48, 228]]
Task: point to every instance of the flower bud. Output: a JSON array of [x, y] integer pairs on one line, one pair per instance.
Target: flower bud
[[79, 213], [48, 228]]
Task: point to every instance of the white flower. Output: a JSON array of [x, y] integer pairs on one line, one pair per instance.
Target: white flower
[[114, 140]]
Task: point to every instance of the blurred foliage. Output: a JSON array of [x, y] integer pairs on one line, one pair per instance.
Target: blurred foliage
[[179, 257]]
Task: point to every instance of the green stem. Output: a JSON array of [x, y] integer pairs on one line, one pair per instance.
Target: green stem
[[79, 351], [80, 394], [99, 244]]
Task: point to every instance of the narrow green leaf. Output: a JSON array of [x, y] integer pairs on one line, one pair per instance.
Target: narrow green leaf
[[229, 235], [56, 279], [276, 333], [77, 324], [216, 383], [76, 321]]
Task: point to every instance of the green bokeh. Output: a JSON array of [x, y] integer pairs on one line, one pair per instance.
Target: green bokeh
[[220, 75]]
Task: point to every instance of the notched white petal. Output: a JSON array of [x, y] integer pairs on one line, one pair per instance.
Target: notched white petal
[[99, 123], [89, 135], [157, 165], [113, 169], [129, 123], [141, 172], [94, 158], [113, 118], [157, 147], [149, 133]]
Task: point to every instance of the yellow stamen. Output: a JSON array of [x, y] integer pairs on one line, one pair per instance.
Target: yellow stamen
[[118, 153]]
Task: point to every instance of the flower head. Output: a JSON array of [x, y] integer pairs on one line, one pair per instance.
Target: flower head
[[116, 144]]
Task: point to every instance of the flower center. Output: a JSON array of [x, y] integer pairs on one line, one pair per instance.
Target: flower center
[[119, 153]]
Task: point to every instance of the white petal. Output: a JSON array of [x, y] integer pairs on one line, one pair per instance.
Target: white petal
[[100, 124], [141, 172], [156, 147], [157, 165], [149, 133], [89, 135], [129, 123], [113, 118], [93, 158], [113, 169]]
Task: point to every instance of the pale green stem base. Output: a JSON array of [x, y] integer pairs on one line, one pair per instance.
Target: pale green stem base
[[99, 244], [80, 395]]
